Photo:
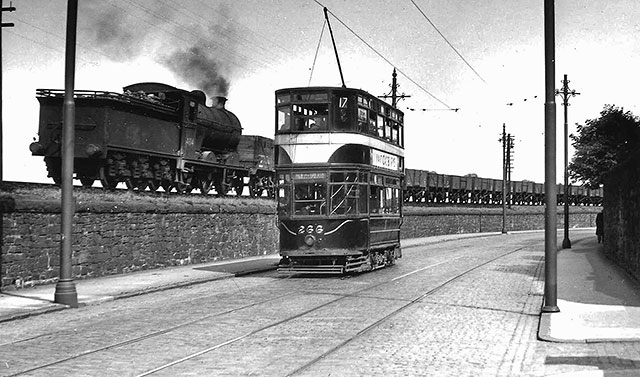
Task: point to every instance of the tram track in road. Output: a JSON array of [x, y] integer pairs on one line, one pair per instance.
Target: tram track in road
[[240, 336], [331, 302], [133, 340], [401, 308]]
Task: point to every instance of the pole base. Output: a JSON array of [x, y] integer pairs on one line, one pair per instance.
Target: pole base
[[66, 293], [566, 243], [550, 309]]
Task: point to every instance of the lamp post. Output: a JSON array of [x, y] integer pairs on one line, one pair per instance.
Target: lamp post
[[550, 188], [566, 93], [65, 288]]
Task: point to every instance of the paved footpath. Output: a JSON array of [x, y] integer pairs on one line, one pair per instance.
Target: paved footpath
[[485, 323]]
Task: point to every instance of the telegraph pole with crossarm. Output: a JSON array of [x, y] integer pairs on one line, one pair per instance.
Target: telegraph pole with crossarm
[[394, 91]]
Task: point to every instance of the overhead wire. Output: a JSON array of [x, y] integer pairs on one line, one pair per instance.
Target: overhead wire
[[385, 59], [449, 43]]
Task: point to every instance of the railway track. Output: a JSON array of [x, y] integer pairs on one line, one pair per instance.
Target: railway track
[[49, 190]]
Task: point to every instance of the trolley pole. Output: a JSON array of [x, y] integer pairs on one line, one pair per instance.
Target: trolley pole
[[65, 288], [335, 49], [566, 93], [550, 188]]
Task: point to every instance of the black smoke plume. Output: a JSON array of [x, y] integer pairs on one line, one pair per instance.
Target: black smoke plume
[[123, 36], [196, 66]]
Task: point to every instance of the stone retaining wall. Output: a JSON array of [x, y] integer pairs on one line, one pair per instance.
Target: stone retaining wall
[[433, 221], [622, 216], [130, 234]]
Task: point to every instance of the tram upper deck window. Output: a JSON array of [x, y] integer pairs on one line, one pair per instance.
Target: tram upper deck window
[[284, 118], [343, 107], [283, 98], [310, 117]]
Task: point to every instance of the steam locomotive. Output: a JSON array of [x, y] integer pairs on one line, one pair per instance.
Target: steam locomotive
[[154, 135]]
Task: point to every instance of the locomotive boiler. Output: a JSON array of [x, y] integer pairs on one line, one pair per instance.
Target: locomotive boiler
[[154, 135]]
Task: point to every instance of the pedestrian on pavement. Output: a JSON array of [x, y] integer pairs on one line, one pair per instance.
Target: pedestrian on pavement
[[600, 227]]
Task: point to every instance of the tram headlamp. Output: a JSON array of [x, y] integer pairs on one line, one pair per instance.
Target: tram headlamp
[[309, 240]]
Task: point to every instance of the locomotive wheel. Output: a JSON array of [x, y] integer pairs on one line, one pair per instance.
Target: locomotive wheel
[[152, 184], [108, 182], [238, 186], [167, 186], [205, 186], [183, 188], [87, 182], [220, 187], [254, 189], [129, 182], [141, 183]]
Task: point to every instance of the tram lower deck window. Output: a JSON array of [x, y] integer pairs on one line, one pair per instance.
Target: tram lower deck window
[[310, 198]]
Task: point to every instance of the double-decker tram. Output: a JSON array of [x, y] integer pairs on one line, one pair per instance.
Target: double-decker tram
[[339, 161]]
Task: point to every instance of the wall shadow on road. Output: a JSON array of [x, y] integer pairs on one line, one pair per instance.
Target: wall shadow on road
[[530, 266]]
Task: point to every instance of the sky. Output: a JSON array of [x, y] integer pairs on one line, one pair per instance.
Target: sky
[[247, 49]]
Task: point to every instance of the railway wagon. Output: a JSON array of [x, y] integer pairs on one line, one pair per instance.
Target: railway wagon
[[339, 167], [153, 135], [430, 187]]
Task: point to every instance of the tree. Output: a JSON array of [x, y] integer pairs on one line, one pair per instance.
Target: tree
[[603, 143]]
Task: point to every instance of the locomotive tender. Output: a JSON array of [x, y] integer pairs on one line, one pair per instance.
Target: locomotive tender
[[339, 165], [154, 135]]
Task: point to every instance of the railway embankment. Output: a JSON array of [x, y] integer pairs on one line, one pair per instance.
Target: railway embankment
[[122, 232]]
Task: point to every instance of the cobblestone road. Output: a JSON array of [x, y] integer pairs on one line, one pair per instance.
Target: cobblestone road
[[458, 308]]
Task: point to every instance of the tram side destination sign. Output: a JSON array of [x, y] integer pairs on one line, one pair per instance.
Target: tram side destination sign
[[385, 160]]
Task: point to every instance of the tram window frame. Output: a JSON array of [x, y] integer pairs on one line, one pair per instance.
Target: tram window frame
[[315, 206], [309, 117], [283, 98], [348, 193], [284, 119], [363, 119], [343, 109], [284, 194], [384, 196]]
